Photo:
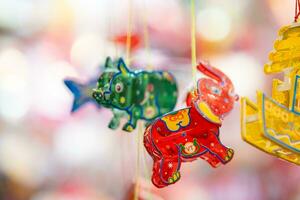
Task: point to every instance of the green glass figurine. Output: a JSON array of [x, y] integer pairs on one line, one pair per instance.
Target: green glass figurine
[[141, 94]]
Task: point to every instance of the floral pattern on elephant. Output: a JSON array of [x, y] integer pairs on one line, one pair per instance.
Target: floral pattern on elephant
[[177, 120]]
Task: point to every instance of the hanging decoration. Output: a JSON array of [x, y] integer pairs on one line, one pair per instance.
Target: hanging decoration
[[141, 94], [273, 123], [193, 132]]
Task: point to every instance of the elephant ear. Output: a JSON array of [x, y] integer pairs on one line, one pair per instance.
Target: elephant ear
[[122, 67], [216, 74], [209, 71]]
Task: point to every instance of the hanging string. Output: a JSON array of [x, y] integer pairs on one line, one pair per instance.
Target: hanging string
[[111, 19], [111, 25], [147, 174], [146, 35], [129, 32], [139, 149], [128, 61], [193, 42], [149, 67], [297, 10]]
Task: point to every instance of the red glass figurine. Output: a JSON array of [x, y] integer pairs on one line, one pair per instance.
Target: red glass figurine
[[192, 132]]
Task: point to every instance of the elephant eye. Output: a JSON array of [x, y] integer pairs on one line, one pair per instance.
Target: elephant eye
[[215, 90], [119, 87]]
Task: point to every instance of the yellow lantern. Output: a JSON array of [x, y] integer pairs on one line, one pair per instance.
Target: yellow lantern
[[273, 123]]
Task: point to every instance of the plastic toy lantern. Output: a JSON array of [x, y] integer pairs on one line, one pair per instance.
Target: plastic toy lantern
[[140, 94], [273, 124], [192, 132]]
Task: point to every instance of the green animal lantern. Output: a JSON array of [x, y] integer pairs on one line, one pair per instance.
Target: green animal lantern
[[141, 94]]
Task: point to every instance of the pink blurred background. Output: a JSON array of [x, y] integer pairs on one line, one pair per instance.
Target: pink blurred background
[[48, 154]]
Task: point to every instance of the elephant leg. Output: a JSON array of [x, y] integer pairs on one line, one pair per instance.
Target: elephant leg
[[115, 121], [215, 146], [166, 171], [156, 176], [170, 169], [135, 114], [211, 159]]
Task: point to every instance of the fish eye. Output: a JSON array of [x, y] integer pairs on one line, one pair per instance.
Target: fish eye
[[119, 87]]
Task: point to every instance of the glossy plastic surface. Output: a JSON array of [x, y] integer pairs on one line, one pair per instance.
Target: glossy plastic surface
[[193, 132], [273, 124], [141, 94]]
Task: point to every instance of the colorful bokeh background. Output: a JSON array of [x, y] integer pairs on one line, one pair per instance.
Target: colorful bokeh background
[[46, 153]]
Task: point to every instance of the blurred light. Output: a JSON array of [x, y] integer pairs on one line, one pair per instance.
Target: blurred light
[[14, 98], [13, 106], [190, 191], [89, 50], [50, 96], [13, 70], [213, 24], [244, 70], [61, 15], [156, 11], [150, 59], [21, 158], [283, 11], [93, 11], [32, 15], [80, 143]]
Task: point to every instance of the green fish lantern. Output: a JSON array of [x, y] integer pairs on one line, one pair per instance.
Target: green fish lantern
[[141, 94]]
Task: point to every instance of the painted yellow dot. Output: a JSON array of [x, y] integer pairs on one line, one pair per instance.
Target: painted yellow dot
[[122, 100], [130, 128]]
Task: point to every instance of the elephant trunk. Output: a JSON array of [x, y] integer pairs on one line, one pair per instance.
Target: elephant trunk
[[218, 76]]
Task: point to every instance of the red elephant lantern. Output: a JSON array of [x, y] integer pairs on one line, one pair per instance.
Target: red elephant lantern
[[192, 132]]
